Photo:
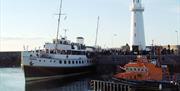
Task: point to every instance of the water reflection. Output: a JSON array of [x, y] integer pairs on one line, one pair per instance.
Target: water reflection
[[12, 79], [69, 84]]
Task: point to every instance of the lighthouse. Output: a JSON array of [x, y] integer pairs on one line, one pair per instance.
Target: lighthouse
[[137, 40]]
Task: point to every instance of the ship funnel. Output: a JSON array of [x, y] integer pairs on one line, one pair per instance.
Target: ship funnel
[[80, 40]]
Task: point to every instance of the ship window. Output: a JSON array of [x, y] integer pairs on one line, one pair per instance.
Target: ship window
[[134, 69], [146, 70], [79, 62], [135, 34], [44, 60], [39, 60], [54, 61], [51, 51], [72, 62], [135, 24], [82, 62], [138, 1], [76, 62], [138, 69], [142, 69], [50, 60], [60, 61], [69, 62], [64, 61], [87, 61], [69, 52], [130, 69]]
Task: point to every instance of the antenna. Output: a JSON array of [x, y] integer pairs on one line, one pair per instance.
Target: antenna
[[97, 31]]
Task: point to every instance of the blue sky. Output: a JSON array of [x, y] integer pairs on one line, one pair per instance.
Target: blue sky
[[34, 22]]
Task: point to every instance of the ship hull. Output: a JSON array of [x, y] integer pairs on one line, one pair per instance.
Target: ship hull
[[40, 73]]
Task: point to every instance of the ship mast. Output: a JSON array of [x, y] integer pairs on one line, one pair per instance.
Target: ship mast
[[97, 31], [59, 19]]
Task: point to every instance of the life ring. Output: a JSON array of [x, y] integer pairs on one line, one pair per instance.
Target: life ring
[[31, 63]]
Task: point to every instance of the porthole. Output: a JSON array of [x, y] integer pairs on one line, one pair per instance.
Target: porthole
[[60, 61], [64, 61], [69, 62]]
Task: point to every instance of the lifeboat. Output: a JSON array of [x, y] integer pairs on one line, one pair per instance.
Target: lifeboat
[[141, 70]]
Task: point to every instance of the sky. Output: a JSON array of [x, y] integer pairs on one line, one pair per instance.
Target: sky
[[34, 22]]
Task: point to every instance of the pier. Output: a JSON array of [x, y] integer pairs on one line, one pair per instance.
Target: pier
[[113, 85], [98, 85], [106, 67], [10, 59], [107, 64]]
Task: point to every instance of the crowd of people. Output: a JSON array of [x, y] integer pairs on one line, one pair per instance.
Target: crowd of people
[[163, 51]]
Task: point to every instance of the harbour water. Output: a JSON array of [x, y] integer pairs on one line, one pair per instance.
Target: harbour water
[[12, 79]]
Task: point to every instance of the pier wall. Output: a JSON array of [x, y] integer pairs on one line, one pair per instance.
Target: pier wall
[[108, 64], [10, 59]]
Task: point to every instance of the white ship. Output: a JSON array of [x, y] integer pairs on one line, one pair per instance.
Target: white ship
[[61, 58]]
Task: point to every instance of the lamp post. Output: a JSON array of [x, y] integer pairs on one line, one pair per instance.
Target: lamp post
[[177, 37], [177, 33]]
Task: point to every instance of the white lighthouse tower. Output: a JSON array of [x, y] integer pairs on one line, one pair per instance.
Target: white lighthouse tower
[[137, 40]]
